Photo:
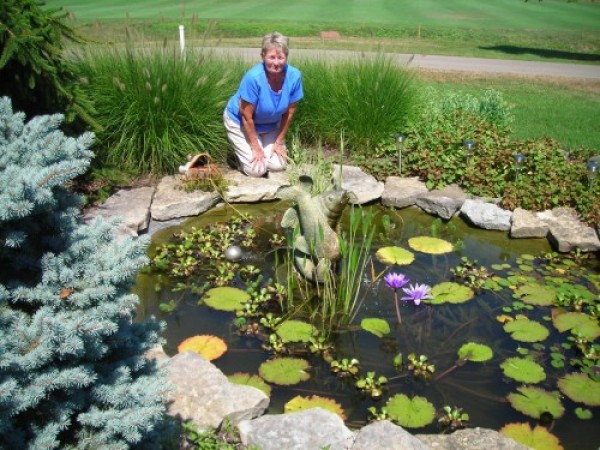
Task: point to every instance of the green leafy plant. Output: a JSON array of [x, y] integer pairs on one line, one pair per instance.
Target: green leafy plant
[[372, 384], [420, 366], [452, 419]]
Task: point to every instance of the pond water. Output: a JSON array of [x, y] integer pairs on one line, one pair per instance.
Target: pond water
[[437, 331]]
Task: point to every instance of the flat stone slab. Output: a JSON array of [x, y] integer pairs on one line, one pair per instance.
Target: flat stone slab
[[244, 189], [365, 187], [203, 394], [386, 435], [402, 192], [525, 224], [485, 215], [312, 429], [133, 205], [566, 232], [443, 203], [171, 202]]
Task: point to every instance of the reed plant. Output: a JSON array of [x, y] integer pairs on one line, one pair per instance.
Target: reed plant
[[157, 106], [367, 99]]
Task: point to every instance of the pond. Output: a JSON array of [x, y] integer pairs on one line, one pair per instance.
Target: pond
[[512, 276]]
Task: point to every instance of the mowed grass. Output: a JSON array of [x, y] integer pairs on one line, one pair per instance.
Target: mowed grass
[[491, 14]]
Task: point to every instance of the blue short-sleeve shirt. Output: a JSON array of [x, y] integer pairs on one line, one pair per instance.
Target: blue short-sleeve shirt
[[269, 106]]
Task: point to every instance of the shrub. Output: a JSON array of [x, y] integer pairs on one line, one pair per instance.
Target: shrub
[[73, 372], [33, 69], [157, 107]]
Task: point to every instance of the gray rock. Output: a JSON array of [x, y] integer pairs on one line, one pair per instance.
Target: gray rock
[[472, 439], [202, 394], [485, 215], [245, 189], [566, 231], [443, 203], [385, 435], [365, 187], [132, 205], [171, 202], [525, 224], [402, 192], [313, 429]]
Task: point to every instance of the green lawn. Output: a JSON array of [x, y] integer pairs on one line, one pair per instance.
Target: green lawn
[[490, 14]]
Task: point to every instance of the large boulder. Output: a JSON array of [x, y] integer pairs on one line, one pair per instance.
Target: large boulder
[[313, 429], [525, 224], [202, 394], [443, 202], [171, 201], [485, 215], [244, 189], [566, 231], [471, 439], [385, 435], [365, 187], [402, 192], [132, 205]]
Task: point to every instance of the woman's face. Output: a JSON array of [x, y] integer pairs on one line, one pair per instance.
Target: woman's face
[[274, 60]]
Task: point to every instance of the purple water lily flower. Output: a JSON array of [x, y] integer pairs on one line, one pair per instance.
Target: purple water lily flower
[[417, 293], [395, 280]]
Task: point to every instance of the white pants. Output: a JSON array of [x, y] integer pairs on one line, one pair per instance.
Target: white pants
[[244, 154]]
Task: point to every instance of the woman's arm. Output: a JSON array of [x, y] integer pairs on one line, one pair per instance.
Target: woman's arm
[[286, 119], [247, 113]]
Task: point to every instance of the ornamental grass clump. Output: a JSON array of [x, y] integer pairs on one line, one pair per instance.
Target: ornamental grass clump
[[368, 99], [156, 107]]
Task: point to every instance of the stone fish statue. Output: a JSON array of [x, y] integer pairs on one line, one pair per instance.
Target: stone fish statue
[[316, 245]]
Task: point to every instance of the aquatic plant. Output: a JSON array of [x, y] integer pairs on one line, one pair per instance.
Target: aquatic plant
[[372, 384], [416, 293], [408, 412], [284, 371], [300, 403], [345, 367], [538, 437], [396, 281], [452, 419], [420, 366], [211, 347]]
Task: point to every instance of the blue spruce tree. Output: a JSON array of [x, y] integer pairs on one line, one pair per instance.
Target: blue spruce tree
[[72, 366]]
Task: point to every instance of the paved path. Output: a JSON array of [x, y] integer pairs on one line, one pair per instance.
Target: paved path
[[448, 63]]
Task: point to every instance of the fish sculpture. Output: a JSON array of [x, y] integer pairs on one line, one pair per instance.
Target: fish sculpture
[[314, 219]]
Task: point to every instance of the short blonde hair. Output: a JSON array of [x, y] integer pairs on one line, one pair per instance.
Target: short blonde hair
[[275, 40]]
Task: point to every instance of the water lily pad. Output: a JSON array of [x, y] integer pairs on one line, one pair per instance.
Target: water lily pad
[[378, 327], [410, 413], [523, 370], [284, 371], [211, 347], [534, 401], [524, 330], [475, 352], [449, 292], [538, 438], [536, 294], [296, 331], [583, 413], [226, 298], [395, 255], [431, 245], [579, 323], [300, 403], [246, 379], [580, 388]]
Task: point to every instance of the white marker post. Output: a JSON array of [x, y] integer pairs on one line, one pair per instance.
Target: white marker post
[[182, 40]]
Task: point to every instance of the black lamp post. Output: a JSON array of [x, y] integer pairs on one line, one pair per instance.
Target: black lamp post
[[399, 145]]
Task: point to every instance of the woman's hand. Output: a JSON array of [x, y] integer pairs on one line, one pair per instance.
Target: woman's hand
[[258, 158], [281, 151]]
